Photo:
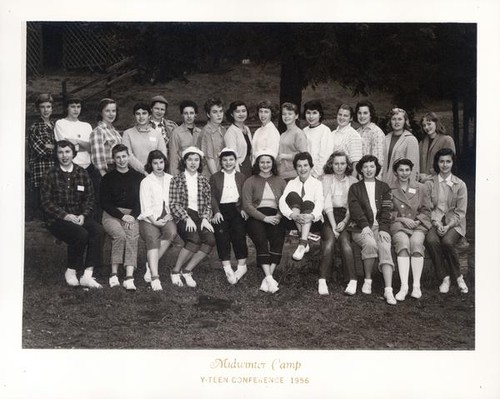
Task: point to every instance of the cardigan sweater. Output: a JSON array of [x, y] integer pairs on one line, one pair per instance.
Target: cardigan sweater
[[217, 186], [253, 188], [235, 139], [360, 208]]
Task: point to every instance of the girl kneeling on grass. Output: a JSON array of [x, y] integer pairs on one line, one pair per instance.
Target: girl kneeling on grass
[[449, 205], [336, 183], [190, 201], [155, 221], [261, 194], [229, 218], [411, 222], [370, 206]]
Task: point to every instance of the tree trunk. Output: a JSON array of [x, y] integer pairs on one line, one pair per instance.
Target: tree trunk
[[456, 128], [291, 81]]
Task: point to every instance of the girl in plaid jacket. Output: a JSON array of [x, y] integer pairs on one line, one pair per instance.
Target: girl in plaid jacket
[[190, 204]]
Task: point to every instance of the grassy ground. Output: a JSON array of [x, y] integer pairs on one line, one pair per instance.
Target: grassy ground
[[215, 314]]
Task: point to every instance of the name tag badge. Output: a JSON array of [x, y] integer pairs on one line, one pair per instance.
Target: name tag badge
[[449, 183], [80, 188], [412, 190], [152, 139]]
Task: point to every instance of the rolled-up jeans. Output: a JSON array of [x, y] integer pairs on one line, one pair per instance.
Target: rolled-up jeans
[[124, 239], [374, 247]]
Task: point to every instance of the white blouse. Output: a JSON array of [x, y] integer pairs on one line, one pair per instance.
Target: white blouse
[[153, 193]]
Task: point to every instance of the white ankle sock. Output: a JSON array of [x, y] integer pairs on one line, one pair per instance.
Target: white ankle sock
[[88, 273], [404, 270], [417, 265]]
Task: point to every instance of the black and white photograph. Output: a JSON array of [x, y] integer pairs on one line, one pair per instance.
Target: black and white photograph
[[292, 204]]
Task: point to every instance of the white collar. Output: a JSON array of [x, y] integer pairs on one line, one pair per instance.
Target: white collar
[[447, 180], [229, 173], [69, 170], [189, 176]]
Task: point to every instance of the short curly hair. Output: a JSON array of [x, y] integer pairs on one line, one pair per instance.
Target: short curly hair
[[328, 168], [365, 159]]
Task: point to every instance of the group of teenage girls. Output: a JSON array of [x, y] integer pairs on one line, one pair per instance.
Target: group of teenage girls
[[216, 185]]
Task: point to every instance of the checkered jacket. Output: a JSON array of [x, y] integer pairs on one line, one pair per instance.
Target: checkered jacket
[[65, 193], [41, 158], [102, 140], [179, 197]]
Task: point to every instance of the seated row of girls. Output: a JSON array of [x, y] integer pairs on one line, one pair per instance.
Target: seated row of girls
[[158, 207], [434, 212]]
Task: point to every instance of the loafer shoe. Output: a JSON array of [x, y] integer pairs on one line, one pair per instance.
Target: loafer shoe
[[462, 286], [176, 279], [322, 287], [89, 282], [188, 277], [129, 284], [445, 285], [300, 252], [113, 281], [70, 277], [156, 285], [351, 288]]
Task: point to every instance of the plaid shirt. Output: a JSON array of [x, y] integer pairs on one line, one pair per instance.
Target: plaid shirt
[[41, 158], [102, 140], [373, 141], [165, 127], [179, 197], [65, 193]]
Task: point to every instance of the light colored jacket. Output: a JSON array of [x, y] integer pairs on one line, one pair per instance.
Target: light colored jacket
[[457, 203], [405, 147], [414, 204]]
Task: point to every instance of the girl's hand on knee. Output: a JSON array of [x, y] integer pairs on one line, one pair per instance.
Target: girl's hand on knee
[[384, 236], [217, 218], [206, 224], [366, 232], [190, 225]]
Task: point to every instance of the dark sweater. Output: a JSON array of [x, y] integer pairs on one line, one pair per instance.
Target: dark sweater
[[361, 210], [217, 186], [121, 190]]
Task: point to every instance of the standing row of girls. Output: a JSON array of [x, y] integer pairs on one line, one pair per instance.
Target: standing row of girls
[[317, 139]]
